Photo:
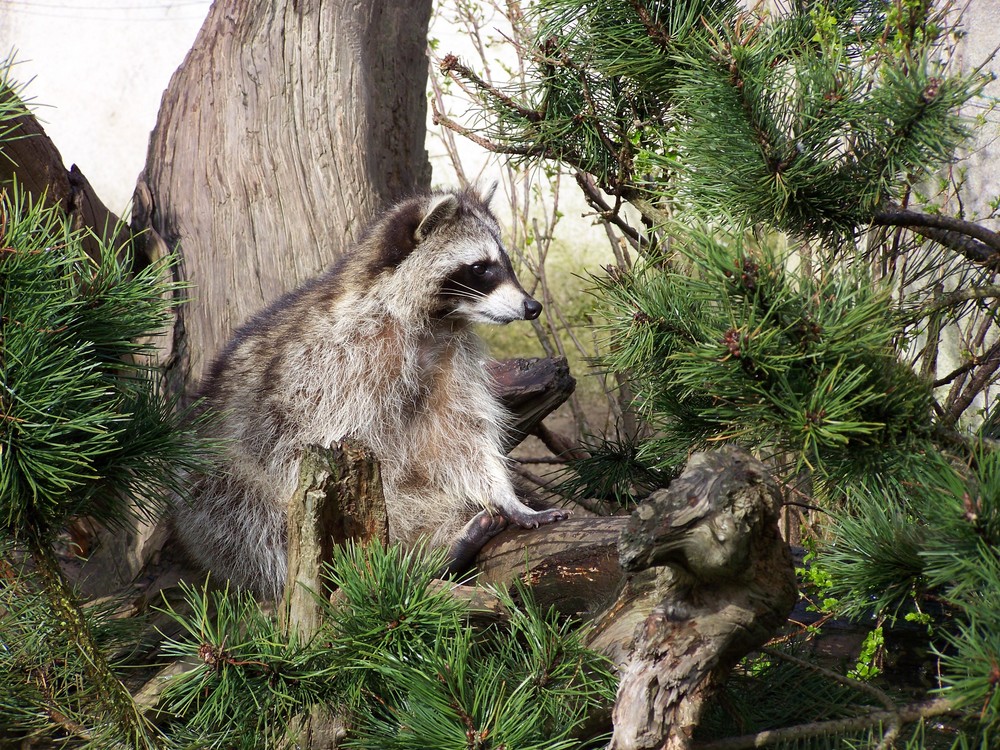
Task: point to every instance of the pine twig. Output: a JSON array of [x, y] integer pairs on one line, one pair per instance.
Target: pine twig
[[440, 118], [111, 693], [453, 68], [951, 299], [902, 715]]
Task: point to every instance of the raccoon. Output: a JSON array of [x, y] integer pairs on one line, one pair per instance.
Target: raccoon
[[379, 349]]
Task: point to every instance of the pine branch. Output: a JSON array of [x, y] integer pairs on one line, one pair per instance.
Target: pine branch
[[121, 710], [974, 241], [440, 118], [454, 69], [903, 715]]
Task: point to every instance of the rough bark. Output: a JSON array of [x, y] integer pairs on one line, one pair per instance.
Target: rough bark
[[285, 129], [339, 497]]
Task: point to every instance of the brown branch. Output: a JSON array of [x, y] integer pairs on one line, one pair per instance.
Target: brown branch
[[951, 299], [960, 370], [903, 715], [605, 211], [988, 363], [974, 241], [653, 29], [440, 118], [453, 68], [560, 445]]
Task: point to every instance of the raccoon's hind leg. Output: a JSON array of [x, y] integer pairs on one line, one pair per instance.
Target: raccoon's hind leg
[[472, 538]]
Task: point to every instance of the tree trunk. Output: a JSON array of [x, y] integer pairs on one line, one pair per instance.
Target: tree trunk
[[286, 128]]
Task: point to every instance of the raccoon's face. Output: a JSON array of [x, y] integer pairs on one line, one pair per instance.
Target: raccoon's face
[[487, 291], [478, 284]]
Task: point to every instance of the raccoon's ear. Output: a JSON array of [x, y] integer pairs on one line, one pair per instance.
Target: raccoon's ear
[[441, 209], [488, 197]]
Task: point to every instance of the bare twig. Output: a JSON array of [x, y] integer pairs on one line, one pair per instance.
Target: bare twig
[[988, 365], [862, 687], [559, 444], [952, 299], [606, 212]]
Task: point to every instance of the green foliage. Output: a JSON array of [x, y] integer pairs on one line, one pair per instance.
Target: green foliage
[[872, 650], [83, 428], [807, 121], [45, 691], [397, 653], [84, 431], [760, 146], [251, 680], [737, 344], [611, 470], [936, 546]]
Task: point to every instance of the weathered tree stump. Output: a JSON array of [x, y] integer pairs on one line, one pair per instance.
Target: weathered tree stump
[[731, 585], [339, 497], [31, 158], [701, 577]]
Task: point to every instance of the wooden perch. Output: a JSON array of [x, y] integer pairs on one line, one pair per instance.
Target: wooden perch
[[676, 593], [339, 497], [530, 389]]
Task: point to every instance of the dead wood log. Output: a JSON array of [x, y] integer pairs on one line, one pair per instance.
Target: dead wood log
[[676, 593], [696, 578]]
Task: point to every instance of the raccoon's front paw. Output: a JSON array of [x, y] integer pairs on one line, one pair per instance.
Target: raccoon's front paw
[[534, 519]]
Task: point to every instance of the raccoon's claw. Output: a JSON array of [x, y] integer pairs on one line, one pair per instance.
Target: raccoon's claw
[[534, 519]]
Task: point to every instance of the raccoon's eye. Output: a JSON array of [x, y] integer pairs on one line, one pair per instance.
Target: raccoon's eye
[[479, 268]]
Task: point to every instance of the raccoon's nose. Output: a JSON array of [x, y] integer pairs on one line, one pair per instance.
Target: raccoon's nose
[[532, 309]]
